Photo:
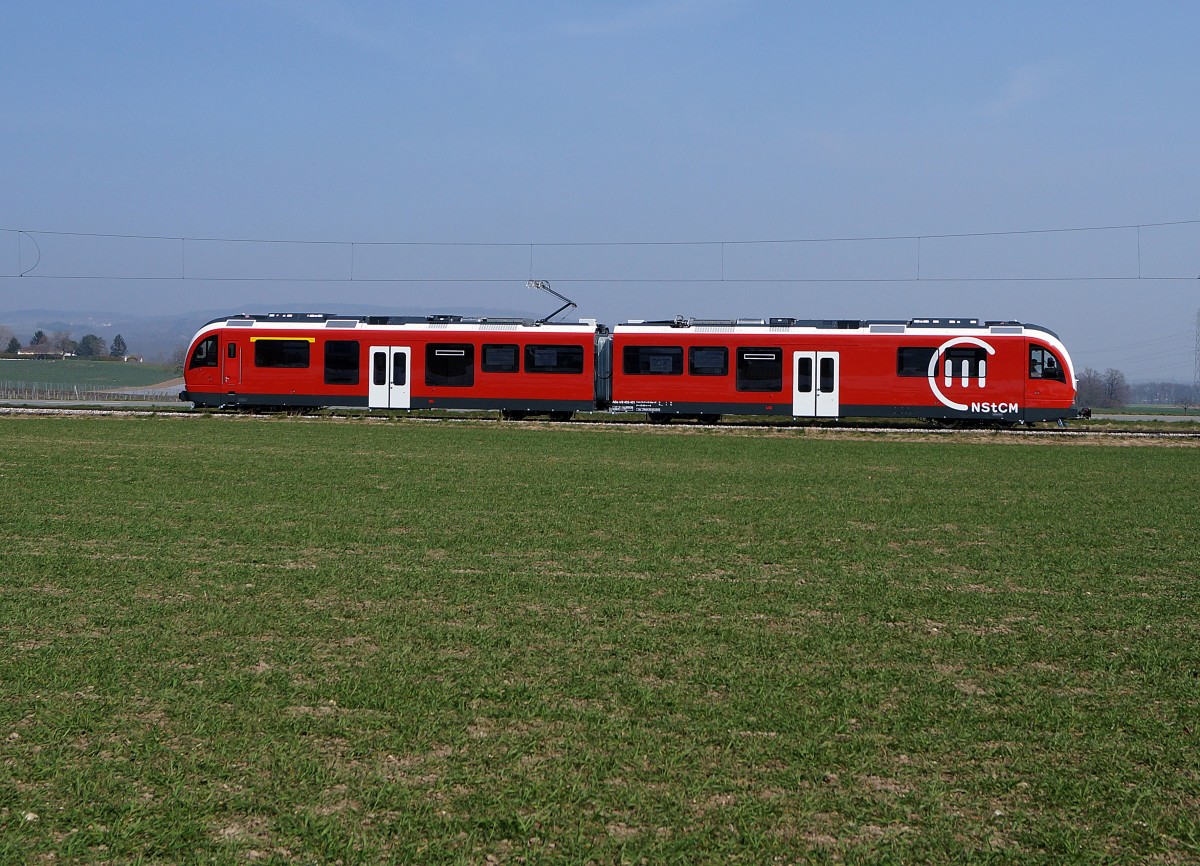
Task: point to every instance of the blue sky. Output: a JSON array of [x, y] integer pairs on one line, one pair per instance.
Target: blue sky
[[547, 128]]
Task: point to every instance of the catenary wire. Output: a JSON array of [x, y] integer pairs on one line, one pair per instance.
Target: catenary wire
[[352, 277], [798, 240], [605, 281]]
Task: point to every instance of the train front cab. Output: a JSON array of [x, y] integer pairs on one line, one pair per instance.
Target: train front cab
[[1050, 388], [202, 371], [238, 364], [1000, 373]]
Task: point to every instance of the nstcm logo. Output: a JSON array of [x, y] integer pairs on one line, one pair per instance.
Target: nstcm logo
[[966, 377]]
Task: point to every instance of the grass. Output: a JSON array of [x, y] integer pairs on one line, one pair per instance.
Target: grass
[[321, 640], [76, 372], [1152, 409]]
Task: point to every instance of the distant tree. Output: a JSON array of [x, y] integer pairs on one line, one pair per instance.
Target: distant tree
[[14, 346], [1116, 389], [39, 339], [178, 357], [119, 349], [62, 342], [1091, 388], [91, 346], [1161, 393], [6, 333]]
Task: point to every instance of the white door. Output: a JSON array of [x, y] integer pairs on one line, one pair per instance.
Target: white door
[[390, 377], [815, 393]]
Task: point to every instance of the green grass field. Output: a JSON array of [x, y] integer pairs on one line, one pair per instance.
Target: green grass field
[[77, 372], [1152, 409], [319, 640]]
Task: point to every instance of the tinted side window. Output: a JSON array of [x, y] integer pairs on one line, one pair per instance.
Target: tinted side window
[[967, 363], [913, 360], [708, 361], [270, 352], [554, 359], [500, 358], [205, 354], [760, 369], [341, 362], [653, 360], [450, 365]]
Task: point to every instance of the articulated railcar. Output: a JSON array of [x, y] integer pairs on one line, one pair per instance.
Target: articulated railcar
[[957, 370], [947, 370], [308, 360]]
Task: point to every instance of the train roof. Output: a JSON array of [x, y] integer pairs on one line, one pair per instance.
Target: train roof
[[869, 326], [336, 320], [772, 324]]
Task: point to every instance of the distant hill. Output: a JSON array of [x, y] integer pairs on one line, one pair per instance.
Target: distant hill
[[156, 338]]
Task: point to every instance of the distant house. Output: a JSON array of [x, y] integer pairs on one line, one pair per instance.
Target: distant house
[[41, 352]]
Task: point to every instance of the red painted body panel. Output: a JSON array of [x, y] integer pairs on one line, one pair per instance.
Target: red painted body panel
[[240, 380], [868, 379], [995, 382]]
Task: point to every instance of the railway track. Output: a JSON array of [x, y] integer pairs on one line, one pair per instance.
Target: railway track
[[1078, 431]]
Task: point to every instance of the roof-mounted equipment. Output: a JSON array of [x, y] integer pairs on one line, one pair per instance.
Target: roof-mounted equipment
[[544, 286]]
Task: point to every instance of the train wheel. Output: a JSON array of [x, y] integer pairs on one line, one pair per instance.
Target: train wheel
[[709, 419], [511, 415], [561, 416], [659, 417]]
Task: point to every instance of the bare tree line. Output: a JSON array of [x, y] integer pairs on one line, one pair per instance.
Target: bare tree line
[[1110, 390]]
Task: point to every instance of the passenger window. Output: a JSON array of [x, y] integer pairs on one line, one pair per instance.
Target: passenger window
[[708, 361], [500, 358], [653, 360], [554, 359], [1044, 364], [760, 369], [205, 354], [450, 365], [914, 360], [270, 352], [965, 363], [341, 362]]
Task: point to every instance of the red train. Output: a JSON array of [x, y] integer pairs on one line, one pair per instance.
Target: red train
[[947, 370]]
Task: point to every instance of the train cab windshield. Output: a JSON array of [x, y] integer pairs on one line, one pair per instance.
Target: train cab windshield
[[205, 353], [1044, 364]]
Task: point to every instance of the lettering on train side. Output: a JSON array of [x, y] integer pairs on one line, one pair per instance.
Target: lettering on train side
[[996, 408]]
